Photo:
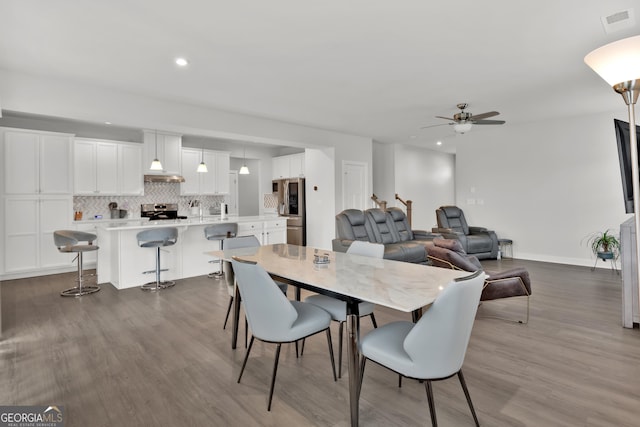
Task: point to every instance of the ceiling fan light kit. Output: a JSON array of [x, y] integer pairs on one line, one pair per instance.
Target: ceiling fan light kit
[[462, 127]]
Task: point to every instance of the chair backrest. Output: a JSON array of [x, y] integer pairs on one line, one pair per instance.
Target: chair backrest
[[448, 253], [352, 225], [269, 312], [383, 228], [68, 238], [164, 236], [438, 342], [240, 242], [452, 217], [401, 223], [373, 250], [221, 231]]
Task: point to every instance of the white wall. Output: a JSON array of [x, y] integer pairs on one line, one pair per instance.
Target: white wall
[[545, 185], [321, 203], [425, 177]]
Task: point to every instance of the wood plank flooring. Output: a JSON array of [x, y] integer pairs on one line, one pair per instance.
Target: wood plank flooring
[[130, 358]]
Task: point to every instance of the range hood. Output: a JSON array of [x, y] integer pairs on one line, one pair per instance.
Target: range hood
[[163, 178]]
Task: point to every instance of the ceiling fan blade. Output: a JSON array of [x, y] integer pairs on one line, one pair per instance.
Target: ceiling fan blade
[[488, 122], [446, 118], [484, 115], [432, 126]]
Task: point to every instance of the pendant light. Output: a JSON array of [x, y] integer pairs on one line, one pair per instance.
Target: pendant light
[[244, 170], [155, 164], [202, 167]]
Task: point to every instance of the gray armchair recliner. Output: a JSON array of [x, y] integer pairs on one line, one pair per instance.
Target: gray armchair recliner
[[476, 241]]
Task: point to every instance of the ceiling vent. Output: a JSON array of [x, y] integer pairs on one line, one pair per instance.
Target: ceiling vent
[[619, 21]]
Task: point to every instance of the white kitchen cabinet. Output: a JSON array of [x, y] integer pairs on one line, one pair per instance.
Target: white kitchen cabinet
[[169, 152], [29, 223], [290, 166], [215, 181], [104, 167], [130, 174], [275, 231], [36, 162]]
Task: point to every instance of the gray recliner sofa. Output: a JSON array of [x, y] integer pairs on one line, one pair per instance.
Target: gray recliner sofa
[[390, 228], [476, 241]]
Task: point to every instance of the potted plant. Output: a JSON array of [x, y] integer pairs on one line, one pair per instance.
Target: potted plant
[[604, 245]]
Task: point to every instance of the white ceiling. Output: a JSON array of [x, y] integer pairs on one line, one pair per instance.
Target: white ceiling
[[375, 68]]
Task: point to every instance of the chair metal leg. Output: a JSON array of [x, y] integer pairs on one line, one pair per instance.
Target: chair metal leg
[[296, 349], [340, 329], [158, 284], [399, 381], [466, 394], [302, 348], [273, 376], [362, 365], [333, 361], [246, 330], [80, 289], [373, 320], [228, 312], [432, 406], [246, 357]]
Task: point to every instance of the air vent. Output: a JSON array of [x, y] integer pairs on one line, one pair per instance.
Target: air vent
[[619, 21]]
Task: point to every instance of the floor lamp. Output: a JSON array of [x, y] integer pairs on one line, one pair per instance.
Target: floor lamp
[[618, 63]]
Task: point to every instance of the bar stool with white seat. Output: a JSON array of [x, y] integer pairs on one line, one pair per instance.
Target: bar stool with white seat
[[220, 232], [157, 238], [68, 241]]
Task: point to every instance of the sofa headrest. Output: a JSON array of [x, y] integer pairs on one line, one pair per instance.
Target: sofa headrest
[[443, 257], [452, 211], [377, 215], [354, 216]]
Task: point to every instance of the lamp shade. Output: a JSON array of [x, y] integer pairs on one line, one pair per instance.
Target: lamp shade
[[156, 165], [617, 62], [202, 167], [462, 127], [244, 170]]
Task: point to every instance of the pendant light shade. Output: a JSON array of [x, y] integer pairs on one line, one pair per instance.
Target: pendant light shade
[[202, 167], [155, 164], [244, 170]]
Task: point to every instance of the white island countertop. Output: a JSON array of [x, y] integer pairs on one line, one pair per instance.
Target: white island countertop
[[138, 224]]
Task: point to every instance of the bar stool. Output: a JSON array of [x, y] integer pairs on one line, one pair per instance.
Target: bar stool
[[68, 241], [220, 232], [157, 238]]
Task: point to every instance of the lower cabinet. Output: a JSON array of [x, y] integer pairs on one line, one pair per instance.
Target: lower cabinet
[[29, 223], [268, 232]]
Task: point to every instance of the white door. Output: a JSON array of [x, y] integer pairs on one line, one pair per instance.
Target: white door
[[354, 185], [232, 199]]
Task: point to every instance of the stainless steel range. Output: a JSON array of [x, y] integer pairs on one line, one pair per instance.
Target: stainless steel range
[[160, 211]]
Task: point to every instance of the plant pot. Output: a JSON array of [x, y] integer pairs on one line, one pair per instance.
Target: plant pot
[[605, 255]]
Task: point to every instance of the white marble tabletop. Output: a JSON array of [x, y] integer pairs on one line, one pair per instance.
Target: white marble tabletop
[[395, 284], [142, 223]]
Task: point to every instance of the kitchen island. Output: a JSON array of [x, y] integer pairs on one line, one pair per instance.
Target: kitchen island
[[122, 262]]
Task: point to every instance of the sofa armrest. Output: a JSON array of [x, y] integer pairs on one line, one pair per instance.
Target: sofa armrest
[[477, 230], [424, 235], [341, 245]]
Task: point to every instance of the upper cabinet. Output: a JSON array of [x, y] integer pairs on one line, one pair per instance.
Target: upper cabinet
[[37, 162], [291, 166], [167, 147], [214, 181], [104, 167]]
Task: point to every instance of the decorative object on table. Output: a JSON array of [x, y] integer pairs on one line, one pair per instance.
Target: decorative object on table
[[605, 246], [321, 258]]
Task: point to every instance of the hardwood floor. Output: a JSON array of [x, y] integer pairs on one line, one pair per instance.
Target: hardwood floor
[[130, 358]]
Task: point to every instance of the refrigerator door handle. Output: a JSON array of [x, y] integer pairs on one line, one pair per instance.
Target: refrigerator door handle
[[285, 184]]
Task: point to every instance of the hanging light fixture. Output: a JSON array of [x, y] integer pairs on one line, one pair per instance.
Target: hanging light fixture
[[155, 164], [202, 167], [244, 170]]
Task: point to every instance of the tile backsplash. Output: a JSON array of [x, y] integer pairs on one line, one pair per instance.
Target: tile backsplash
[[154, 192]]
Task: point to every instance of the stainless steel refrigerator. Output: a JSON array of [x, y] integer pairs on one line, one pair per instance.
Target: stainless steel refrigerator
[[291, 203]]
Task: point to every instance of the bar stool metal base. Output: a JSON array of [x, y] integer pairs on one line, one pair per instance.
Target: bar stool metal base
[[78, 291], [156, 286]]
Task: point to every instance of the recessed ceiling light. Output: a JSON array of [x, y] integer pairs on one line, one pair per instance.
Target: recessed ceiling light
[[412, 137], [182, 62], [439, 143], [107, 123]]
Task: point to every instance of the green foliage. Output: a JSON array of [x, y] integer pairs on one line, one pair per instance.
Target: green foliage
[[604, 242]]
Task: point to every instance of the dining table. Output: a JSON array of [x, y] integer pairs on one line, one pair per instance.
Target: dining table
[[398, 285]]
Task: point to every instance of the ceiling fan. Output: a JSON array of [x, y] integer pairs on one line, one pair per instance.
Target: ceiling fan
[[463, 121]]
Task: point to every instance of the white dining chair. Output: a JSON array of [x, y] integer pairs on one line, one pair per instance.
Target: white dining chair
[[338, 308], [434, 348], [273, 318]]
